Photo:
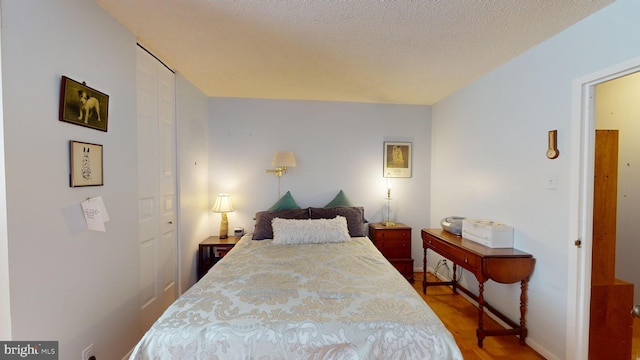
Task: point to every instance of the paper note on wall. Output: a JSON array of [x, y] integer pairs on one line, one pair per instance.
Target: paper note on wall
[[95, 213]]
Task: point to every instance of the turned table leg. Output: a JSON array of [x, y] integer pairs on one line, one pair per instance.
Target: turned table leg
[[455, 277], [480, 332], [523, 310], [424, 271]]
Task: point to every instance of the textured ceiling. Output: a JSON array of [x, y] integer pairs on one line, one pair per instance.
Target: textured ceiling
[[394, 51]]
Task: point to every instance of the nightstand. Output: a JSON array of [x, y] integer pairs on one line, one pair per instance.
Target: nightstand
[[394, 242], [211, 250]]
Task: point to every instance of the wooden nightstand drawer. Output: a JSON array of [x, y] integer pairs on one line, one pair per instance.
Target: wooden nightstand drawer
[[394, 248], [404, 266], [394, 242], [393, 234]]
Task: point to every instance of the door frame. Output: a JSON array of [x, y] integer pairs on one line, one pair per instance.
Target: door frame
[[581, 204]]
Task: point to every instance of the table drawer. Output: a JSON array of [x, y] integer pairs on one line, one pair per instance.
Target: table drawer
[[468, 261]]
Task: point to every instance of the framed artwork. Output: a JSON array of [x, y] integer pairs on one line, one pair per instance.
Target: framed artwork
[[397, 160], [86, 164], [82, 105]]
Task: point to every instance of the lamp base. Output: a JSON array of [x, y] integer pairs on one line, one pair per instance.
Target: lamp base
[[388, 211], [224, 227]]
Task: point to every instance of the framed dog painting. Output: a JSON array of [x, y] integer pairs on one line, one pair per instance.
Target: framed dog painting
[[82, 105], [86, 164]]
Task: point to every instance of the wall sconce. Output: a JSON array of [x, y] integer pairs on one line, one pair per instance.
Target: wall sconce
[[552, 150], [282, 159], [223, 206]]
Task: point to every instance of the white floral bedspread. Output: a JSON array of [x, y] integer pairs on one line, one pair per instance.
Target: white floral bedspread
[[315, 301]]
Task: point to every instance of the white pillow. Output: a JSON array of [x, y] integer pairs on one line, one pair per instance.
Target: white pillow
[[310, 231]]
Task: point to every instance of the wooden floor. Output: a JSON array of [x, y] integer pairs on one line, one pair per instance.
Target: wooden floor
[[461, 318]]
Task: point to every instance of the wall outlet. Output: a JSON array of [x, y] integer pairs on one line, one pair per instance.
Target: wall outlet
[[87, 353]]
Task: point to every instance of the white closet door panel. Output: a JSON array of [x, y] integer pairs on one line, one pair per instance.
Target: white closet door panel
[[148, 289], [156, 184], [148, 218], [167, 269]]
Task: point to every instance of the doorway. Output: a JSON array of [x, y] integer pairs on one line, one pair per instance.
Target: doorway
[[617, 109], [610, 329], [579, 261]]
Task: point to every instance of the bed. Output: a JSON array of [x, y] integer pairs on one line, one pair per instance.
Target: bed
[[289, 297]]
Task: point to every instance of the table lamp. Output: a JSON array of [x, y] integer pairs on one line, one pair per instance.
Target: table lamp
[[223, 206]]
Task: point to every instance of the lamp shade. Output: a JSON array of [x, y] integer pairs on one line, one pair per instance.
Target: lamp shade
[[283, 158], [223, 204]]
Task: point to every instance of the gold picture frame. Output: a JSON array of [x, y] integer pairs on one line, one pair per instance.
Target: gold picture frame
[[82, 105], [86, 164], [397, 160]]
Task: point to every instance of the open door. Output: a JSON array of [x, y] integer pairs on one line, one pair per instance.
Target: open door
[[611, 323]]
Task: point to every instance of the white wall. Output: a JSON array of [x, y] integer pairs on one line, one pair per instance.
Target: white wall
[[337, 146], [193, 178], [617, 108], [67, 283], [489, 144]]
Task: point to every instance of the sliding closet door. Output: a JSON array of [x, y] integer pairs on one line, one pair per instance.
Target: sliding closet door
[[156, 187]]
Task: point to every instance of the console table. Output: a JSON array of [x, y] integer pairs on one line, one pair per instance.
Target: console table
[[503, 265]]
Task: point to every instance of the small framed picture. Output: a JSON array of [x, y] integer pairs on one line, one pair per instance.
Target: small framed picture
[[82, 105], [397, 160], [86, 164]]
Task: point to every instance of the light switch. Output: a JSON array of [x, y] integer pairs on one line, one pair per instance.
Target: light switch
[[552, 182]]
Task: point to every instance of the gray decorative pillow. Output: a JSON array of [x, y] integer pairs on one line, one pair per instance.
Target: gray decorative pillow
[[263, 229], [354, 215]]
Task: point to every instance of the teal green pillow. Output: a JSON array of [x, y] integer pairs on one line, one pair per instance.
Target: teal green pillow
[[340, 200], [284, 203]]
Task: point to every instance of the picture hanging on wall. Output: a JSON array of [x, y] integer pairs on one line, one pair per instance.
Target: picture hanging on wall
[[397, 160], [82, 105], [86, 164]]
